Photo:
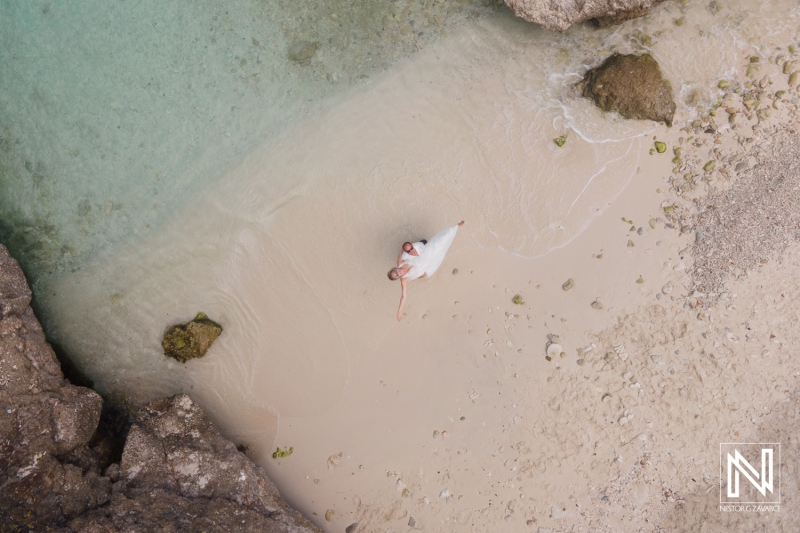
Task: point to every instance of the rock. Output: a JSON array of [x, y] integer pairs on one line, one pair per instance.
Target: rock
[[352, 528], [568, 285], [597, 305], [660, 147], [560, 140], [708, 167], [632, 86], [666, 289], [793, 78], [558, 16], [517, 300], [60, 457], [190, 340]]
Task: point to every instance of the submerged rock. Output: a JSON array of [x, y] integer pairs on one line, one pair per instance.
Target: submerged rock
[[190, 340], [631, 85], [559, 16]]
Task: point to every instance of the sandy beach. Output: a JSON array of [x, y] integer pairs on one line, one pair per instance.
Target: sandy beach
[[677, 333]]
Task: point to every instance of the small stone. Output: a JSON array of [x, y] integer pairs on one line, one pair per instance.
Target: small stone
[[788, 67], [563, 355], [351, 528], [597, 305], [302, 51], [666, 289], [652, 223], [630, 244], [329, 515], [455, 271], [411, 522], [580, 362], [723, 84], [435, 433], [517, 300], [640, 280], [793, 78], [708, 167], [560, 140], [661, 147], [640, 231], [568, 285]]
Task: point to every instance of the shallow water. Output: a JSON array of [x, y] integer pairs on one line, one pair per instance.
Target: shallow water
[[160, 163]]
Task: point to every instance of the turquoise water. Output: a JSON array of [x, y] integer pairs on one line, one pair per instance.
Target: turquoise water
[[114, 114]]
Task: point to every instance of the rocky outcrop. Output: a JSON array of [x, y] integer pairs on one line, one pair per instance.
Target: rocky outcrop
[[560, 15], [190, 340], [632, 86], [60, 472]]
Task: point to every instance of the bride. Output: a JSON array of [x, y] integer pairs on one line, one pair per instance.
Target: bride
[[419, 260]]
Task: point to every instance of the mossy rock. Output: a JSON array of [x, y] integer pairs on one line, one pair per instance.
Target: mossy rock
[[192, 339], [631, 85]]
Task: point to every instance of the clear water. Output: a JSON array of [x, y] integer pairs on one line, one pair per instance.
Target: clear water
[[114, 114]]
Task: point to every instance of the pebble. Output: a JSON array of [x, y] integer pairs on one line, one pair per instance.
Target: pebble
[[597, 305], [640, 280], [329, 515], [630, 243], [652, 223], [580, 362], [569, 284], [640, 231], [444, 494], [411, 522], [351, 528], [666, 289]]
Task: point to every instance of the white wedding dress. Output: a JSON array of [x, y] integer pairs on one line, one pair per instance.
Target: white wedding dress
[[429, 261]]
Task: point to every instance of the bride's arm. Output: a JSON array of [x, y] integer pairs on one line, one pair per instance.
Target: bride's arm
[[403, 283]]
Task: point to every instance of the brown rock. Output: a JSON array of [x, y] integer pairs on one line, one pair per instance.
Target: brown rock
[[190, 340], [631, 85]]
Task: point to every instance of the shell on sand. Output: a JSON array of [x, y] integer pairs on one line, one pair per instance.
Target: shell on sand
[[554, 349]]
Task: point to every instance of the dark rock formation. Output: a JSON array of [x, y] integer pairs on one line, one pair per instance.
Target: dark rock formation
[[560, 15], [631, 85], [59, 471], [190, 340]]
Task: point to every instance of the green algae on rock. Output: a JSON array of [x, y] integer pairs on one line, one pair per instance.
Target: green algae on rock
[[560, 140], [190, 340], [631, 85], [661, 147]]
